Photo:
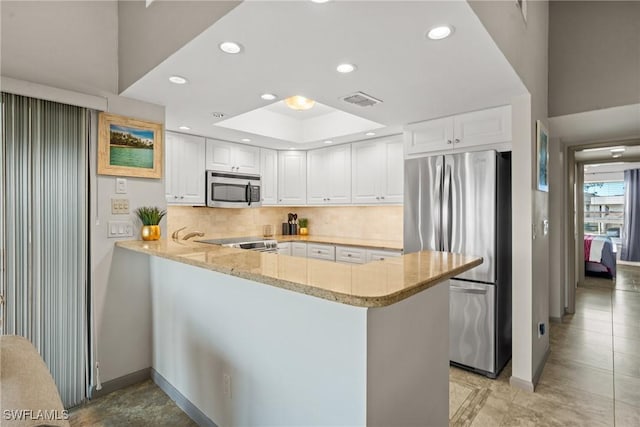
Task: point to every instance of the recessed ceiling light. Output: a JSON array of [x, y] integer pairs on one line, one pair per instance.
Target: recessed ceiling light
[[230, 47], [184, 128], [370, 133], [616, 155], [345, 68], [320, 1], [245, 140], [618, 150], [292, 148], [217, 114], [439, 33], [328, 141], [300, 103], [178, 80], [268, 96]]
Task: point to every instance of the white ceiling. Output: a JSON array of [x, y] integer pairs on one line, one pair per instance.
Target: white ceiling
[[293, 48]]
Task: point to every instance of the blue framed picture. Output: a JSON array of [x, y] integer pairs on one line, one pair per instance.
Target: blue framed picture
[[542, 156]]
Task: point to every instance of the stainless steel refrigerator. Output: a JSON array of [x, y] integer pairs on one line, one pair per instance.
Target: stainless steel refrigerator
[[462, 203]]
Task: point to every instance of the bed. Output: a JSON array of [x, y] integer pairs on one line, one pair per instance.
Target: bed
[[599, 256]]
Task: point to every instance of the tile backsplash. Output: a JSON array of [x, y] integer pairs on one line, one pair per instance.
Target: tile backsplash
[[367, 222]]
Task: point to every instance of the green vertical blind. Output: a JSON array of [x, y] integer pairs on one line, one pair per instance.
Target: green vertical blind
[[45, 234]]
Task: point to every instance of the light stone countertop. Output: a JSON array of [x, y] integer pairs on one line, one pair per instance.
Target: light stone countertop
[[394, 245], [375, 284]]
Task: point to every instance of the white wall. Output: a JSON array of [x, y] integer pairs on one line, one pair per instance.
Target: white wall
[[525, 45], [594, 58], [73, 46]]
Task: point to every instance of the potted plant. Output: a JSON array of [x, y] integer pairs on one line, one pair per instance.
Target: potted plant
[[303, 223], [150, 216]]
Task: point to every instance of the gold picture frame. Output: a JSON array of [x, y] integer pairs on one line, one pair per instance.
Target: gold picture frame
[[129, 147]]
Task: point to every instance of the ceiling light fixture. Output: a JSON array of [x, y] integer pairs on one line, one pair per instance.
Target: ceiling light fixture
[[230, 47], [320, 1], [370, 133], [217, 114], [345, 68], [184, 128], [618, 150], [268, 96], [328, 141], [245, 140], [292, 148], [299, 103], [178, 80], [616, 155], [439, 33]]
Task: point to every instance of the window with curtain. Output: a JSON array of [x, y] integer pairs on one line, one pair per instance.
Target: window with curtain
[[44, 234]]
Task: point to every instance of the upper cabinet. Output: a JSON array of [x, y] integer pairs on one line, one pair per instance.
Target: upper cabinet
[[329, 175], [292, 178], [269, 172], [377, 171], [227, 156], [185, 169], [484, 127]]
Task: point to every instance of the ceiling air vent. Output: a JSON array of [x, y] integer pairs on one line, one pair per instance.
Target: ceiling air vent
[[361, 99]]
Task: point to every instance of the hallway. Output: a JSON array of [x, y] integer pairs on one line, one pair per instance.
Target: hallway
[[592, 376]]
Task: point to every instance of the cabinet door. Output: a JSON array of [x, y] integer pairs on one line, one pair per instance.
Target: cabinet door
[[185, 169], [299, 249], [292, 178], [392, 174], [284, 248], [269, 172], [318, 173], [484, 127], [381, 254], [246, 159], [365, 165], [432, 135], [320, 251], [350, 255], [338, 168], [219, 155]]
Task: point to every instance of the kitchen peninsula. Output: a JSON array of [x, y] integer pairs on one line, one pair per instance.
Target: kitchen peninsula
[[259, 338]]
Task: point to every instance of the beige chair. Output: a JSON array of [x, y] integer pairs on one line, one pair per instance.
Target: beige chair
[[27, 389]]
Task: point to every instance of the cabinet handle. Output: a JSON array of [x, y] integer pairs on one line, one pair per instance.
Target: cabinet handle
[[457, 140], [381, 258], [182, 197], [449, 141], [349, 255], [377, 198], [175, 197], [382, 197], [328, 199]]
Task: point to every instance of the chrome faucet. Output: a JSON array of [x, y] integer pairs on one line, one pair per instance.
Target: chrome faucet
[[193, 233], [174, 235]]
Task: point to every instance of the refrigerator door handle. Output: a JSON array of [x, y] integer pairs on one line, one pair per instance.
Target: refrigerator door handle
[[446, 210], [437, 209], [467, 290]]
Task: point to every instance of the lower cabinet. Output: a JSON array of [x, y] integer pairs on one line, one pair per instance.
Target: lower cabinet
[[299, 249], [321, 251], [337, 253], [284, 248]]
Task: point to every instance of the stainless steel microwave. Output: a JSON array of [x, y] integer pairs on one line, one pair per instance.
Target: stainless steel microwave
[[233, 190]]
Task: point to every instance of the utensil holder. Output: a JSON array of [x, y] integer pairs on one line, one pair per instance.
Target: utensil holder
[[293, 229], [285, 228]]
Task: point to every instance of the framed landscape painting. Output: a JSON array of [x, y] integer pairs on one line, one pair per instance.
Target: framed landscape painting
[[129, 147], [542, 156]]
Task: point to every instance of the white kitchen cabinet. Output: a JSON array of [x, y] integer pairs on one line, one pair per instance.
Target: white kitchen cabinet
[[299, 249], [292, 178], [329, 175], [321, 251], [184, 169], [350, 254], [230, 157], [380, 254], [269, 173], [284, 248], [377, 171], [484, 127]]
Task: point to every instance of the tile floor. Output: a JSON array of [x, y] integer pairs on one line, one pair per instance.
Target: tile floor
[[592, 377]]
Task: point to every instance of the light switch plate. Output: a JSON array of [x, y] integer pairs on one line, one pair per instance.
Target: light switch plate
[[121, 186], [119, 229], [119, 206]]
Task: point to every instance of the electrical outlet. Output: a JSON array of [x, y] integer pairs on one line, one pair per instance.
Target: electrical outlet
[[226, 385], [542, 329], [121, 186], [119, 206]]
